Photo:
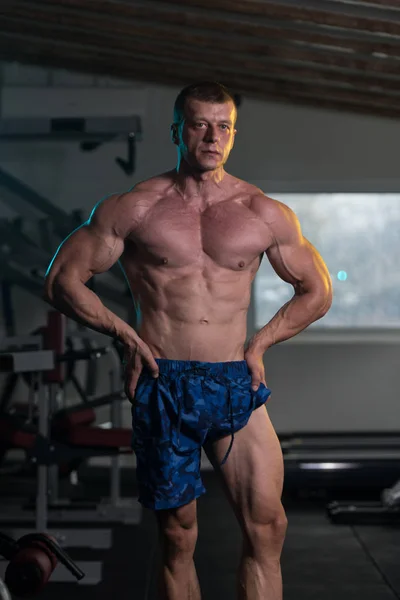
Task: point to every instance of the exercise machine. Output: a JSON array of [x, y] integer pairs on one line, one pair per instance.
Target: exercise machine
[[384, 511], [330, 462], [43, 452]]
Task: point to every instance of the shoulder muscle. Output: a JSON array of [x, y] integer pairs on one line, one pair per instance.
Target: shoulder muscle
[[279, 218]]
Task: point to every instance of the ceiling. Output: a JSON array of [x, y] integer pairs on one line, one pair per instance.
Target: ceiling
[[339, 54]]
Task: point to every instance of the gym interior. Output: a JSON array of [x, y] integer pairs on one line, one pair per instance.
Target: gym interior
[[87, 91]]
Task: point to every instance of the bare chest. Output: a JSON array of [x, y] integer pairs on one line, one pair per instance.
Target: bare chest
[[229, 234]]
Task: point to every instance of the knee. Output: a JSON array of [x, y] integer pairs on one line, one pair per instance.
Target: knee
[[266, 531], [178, 534], [180, 541]]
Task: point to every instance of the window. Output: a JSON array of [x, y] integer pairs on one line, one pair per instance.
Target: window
[[358, 236]]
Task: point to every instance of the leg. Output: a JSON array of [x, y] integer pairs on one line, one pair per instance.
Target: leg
[[178, 536], [252, 478]]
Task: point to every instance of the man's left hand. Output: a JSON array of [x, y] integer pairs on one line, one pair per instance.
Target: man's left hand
[[255, 363]]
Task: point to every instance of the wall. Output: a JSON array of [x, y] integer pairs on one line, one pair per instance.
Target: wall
[[316, 386]]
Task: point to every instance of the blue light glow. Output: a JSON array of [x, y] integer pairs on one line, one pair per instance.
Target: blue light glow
[[342, 275]]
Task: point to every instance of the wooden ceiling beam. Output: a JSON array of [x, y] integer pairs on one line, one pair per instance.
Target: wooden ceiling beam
[[348, 8], [231, 56], [269, 9], [118, 15], [163, 71], [378, 3], [94, 67]]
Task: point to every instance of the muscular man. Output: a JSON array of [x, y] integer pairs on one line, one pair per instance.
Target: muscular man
[[190, 242]]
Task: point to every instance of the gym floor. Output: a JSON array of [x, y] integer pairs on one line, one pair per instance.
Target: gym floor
[[320, 560]]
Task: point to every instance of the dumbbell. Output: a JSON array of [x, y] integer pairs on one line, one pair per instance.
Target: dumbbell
[[33, 559]]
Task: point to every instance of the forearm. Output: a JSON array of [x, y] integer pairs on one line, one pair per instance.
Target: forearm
[[295, 316], [77, 301]]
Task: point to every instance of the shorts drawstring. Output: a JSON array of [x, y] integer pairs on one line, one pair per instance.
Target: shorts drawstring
[[178, 427], [232, 427]]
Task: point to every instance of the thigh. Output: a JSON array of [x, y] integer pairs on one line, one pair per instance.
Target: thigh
[[252, 477]]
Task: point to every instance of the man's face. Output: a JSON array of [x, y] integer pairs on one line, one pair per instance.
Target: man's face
[[206, 135]]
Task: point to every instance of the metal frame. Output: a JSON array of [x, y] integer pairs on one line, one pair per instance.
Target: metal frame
[[45, 453]]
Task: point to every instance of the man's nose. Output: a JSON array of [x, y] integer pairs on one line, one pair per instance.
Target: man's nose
[[211, 134]]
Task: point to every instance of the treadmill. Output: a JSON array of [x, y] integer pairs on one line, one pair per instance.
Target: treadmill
[[353, 461]]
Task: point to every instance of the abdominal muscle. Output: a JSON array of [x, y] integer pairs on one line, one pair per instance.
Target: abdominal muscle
[[191, 325], [206, 342]]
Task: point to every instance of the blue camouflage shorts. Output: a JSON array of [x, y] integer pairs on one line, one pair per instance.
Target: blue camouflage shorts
[[189, 404]]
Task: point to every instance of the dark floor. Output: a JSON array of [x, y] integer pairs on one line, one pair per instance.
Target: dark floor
[[320, 560]]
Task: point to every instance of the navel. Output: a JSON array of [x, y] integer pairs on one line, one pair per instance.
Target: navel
[[164, 261]]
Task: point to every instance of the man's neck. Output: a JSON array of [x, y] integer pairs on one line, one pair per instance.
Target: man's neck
[[206, 186]]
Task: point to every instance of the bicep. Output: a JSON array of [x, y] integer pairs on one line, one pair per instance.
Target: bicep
[[89, 250], [297, 262]]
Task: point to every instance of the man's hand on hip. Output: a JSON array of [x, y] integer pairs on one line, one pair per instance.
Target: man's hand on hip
[[255, 363], [136, 357]]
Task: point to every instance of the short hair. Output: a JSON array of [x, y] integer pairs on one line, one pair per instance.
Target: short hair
[[207, 91]]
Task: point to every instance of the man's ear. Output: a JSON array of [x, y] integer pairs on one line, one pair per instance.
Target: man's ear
[[234, 137], [174, 134]]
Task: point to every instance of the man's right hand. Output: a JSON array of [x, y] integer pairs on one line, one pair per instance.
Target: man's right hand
[[136, 357]]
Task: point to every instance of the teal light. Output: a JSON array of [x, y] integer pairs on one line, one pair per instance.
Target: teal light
[[342, 275]]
